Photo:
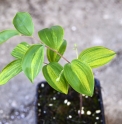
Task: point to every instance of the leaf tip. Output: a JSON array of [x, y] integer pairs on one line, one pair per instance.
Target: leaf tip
[[65, 92], [31, 80]]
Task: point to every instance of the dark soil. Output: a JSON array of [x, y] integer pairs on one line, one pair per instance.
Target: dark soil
[[56, 108]]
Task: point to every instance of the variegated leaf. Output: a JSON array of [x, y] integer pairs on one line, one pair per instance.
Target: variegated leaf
[[53, 73], [96, 56], [23, 23], [7, 34], [52, 37], [20, 50], [32, 61], [79, 75], [11, 70]]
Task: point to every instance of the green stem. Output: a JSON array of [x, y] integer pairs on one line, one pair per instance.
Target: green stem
[[76, 50], [77, 53], [59, 76]]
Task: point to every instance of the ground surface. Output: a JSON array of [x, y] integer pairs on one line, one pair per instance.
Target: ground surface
[[86, 23]]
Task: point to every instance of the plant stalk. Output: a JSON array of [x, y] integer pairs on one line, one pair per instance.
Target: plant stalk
[[57, 53], [81, 100], [52, 49], [76, 50]]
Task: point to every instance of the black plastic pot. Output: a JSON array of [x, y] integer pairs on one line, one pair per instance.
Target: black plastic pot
[[53, 107]]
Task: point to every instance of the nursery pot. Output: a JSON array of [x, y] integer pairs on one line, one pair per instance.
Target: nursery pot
[[53, 107]]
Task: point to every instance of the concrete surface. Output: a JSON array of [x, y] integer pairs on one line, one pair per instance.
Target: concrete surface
[[86, 23]]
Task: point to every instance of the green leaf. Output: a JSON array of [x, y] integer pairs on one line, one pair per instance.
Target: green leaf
[[97, 56], [53, 73], [52, 37], [20, 50], [23, 23], [79, 75], [11, 70], [7, 34], [53, 56], [32, 61]]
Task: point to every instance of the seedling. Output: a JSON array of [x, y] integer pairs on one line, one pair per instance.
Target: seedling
[[29, 58]]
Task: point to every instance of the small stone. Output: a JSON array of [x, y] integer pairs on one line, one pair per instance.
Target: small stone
[[73, 28], [12, 117], [22, 115]]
